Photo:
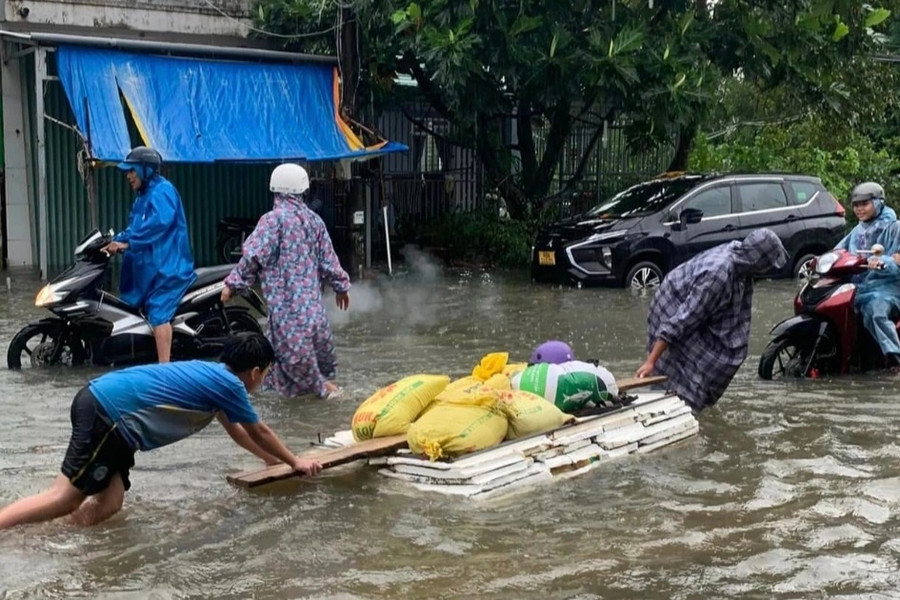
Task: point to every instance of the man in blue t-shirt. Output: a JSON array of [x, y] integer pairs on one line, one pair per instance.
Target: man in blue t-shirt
[[143, 408]]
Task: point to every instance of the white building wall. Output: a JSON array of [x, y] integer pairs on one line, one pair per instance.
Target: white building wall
[[200, 17], [19, 214]]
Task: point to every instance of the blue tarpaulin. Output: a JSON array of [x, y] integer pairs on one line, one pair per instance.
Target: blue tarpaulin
[[197, 110]]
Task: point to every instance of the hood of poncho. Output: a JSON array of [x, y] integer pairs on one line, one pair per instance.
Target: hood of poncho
[[759, 252]]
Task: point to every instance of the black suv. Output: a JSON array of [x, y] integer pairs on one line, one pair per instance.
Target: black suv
[[640, 234]]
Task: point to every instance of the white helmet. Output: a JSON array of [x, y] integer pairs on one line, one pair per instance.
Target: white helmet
[[289, 179]]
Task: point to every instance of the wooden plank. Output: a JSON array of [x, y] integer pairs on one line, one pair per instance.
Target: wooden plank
[[328, 458], [635, 382]]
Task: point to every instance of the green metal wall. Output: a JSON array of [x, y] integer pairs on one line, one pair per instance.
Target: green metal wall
[[209, 191]]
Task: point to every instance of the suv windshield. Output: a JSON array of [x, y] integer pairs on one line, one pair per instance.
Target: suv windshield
[[644, 198]]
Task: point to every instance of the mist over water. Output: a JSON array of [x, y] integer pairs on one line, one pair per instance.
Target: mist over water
[[791, 490]]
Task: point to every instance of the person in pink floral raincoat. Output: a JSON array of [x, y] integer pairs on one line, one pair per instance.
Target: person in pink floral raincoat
[[290, 253]]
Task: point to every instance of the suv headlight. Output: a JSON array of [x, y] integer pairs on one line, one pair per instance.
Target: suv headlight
[[825, 262], [606, 254]]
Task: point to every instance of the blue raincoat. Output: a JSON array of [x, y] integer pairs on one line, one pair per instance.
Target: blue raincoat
[[878, 292], [157, 268]]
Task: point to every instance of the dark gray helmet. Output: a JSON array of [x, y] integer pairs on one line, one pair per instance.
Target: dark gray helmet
[[142, 155], [866, 191]]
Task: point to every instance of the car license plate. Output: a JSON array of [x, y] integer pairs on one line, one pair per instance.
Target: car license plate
[[546, 257]]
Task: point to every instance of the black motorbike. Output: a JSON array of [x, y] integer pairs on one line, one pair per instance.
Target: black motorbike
[[92, 325], [231, 232], [230, 235]]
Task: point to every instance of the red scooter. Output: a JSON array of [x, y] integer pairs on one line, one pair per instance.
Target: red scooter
[[825, 336]]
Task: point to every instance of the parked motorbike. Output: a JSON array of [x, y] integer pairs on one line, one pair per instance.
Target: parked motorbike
[[230, 235], [825, 336], [93, 325], [232, 231]]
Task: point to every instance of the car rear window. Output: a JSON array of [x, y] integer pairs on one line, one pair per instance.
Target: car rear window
[[644, 198], [762, 196], [803, 191]]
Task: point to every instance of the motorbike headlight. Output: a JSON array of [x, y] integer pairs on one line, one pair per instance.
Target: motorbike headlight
[[48, 295], [825, 262]]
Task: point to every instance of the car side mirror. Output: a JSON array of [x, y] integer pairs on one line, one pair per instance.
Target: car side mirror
[[690, 216]]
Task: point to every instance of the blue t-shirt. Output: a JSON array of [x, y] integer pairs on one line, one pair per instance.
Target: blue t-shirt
[[155, 405]]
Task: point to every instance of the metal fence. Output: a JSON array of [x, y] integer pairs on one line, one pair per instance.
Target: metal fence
[[438, 175]]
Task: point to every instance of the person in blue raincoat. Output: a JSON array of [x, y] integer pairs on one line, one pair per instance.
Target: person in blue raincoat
[[157, 268], [878, 291]]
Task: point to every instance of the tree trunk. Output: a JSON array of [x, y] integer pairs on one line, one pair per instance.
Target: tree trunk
[[686, 135]]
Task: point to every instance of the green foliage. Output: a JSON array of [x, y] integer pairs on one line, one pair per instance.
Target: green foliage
[[480, 237], [551, 64], [806, 147]]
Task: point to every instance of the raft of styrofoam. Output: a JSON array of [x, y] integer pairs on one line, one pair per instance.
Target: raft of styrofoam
[[652, 421]]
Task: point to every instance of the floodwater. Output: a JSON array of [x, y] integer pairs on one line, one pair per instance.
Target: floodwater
[[791, 490]]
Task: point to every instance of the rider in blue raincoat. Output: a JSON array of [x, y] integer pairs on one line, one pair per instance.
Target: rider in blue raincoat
[[157, 268], [878, 292]]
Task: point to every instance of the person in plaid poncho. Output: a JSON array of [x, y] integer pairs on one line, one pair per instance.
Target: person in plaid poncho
[[699, 321]]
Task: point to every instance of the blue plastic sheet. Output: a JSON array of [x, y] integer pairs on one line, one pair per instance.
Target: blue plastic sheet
[[196, 110]]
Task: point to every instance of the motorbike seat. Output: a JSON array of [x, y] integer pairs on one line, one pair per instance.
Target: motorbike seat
[[210, 275]]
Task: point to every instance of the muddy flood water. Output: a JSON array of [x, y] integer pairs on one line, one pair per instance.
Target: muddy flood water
[[791, 490]]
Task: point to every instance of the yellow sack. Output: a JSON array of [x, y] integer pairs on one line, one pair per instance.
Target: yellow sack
[[490, 365], [447, 430], [513, 368], [468, 389], [390, 410], [529, 414]]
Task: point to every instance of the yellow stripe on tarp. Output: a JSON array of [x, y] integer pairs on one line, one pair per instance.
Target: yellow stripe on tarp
[[142, 131], [352, 140]]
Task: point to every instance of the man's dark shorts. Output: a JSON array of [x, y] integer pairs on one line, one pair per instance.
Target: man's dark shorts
[[96, 449]]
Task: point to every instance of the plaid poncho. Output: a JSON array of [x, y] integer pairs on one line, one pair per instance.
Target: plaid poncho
[[702, 309]]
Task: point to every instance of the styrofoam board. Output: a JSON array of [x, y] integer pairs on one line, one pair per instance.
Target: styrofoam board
[[462, 474], [536, 478], [339, 439], [562, 437], [471, 490], [558, 461], [454, 470], [568, 448], [527, 445], [451, 490], [592, 451], [670, 431], [543, 456], [483, 479], [579, 471], [617, 438], [644, 398], [486, 478], [671, 440], [664, 406], [683, 410], [586, 433], [669, 424], [621, 451], [413, 459], [593, 424]]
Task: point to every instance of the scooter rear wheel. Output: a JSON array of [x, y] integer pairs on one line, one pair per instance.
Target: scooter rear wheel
[[785, 357], [42, 345]]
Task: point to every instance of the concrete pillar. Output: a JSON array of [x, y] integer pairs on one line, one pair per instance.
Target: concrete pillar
[[19, 210], [40, 74]]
